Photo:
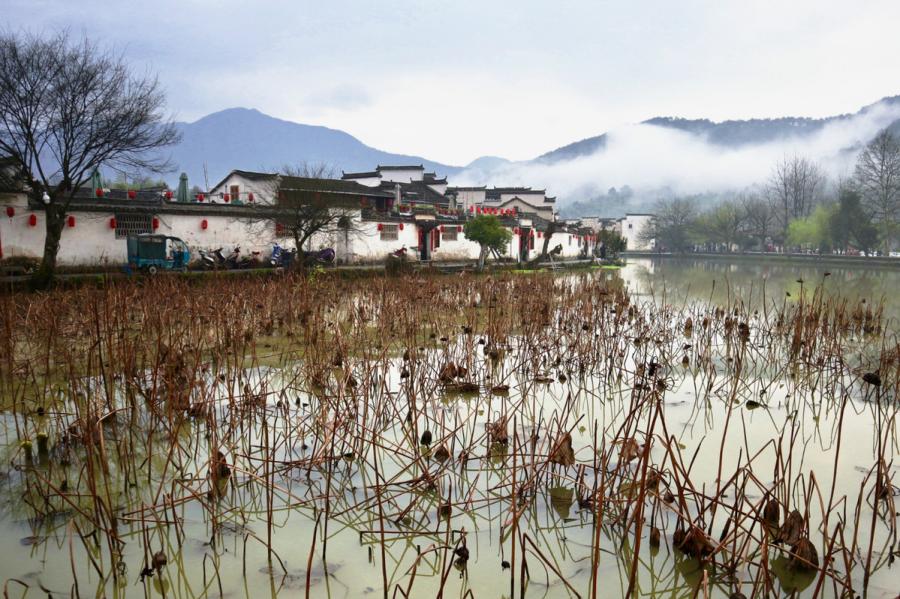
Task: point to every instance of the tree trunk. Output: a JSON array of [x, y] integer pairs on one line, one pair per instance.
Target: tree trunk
[[481, 257], [56, 219]]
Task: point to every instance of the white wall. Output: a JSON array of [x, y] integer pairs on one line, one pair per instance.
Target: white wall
[[470, 197], [632, 225], [461, 249], [367, 181], [440, 188], [404, 176], [534, 198], [262, 191], [92, 241]]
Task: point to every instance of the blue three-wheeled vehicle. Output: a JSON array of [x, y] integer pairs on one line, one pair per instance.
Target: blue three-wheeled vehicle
[[151, 253]]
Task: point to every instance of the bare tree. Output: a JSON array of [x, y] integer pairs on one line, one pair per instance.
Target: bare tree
[[877, 175], [759, 218], [307, 204], [66, 108], [671, 226], [794, 189]]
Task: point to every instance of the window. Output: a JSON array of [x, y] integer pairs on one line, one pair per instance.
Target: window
[[133, 224], [389, 233], [235, 192], [630, 226], [449, 234]]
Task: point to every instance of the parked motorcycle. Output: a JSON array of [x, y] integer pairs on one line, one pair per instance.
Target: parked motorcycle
[[324, 256], [282, 257], [212, 260], [234, 258], [249, 261], [399, 254]]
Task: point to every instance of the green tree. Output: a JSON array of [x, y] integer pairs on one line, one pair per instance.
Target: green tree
[[613, 241], [723, 224], [490, 234], [851, 225], [814, 230]]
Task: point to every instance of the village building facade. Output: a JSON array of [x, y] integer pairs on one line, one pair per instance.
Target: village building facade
[[386, 209]]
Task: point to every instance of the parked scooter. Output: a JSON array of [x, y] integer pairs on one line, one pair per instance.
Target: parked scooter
[[324, 256], [399, 254], [212, 260], [249, 261], [282, 257], [234, 258]]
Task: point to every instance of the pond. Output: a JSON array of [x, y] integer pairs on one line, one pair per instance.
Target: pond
[[698, 279], [513, 436]]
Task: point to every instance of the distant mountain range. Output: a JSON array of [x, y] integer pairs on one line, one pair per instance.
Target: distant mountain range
[[730, 134], [242, 138], [248, 139]]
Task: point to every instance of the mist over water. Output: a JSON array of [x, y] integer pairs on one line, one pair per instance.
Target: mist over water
[[656, 161]]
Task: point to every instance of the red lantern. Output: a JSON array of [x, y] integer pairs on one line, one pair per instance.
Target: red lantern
[[401, 226], [199, 197], [250, 196], [99, 192], [380, 226], [32, 220], [516, 230], [10, 211], [155, 223], [204, 224], [442, 228], [70, 221], [112, 223], [227, 197], [471, 208], [168, 195], [132, 194], [459, 228]]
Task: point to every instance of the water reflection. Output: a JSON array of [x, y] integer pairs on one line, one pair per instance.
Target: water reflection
[[683, 280]]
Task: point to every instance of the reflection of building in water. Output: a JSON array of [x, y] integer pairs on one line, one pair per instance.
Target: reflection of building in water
[[638, 276]]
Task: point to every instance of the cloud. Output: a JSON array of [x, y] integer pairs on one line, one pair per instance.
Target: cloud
[[341, 97], [649, 158]]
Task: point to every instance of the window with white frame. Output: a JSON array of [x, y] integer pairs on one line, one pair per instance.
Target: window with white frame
[[449, 234], [390, 232], [133, 224]]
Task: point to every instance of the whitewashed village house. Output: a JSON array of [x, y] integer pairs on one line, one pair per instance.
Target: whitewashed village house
[[389, 208]]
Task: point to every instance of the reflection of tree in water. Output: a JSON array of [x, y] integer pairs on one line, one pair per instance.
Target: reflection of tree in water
[[684, 280]]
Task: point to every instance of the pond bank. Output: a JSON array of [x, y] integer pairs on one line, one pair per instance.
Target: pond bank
[[865, 261]]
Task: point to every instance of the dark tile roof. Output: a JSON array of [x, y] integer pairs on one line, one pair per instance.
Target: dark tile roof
[[249, 175], [482, 188], [332, 186], [360, 175], [527, 190], [417, 191], [338, 186], [418, 167]]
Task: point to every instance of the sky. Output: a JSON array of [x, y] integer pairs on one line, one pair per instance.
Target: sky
[[456, 80]]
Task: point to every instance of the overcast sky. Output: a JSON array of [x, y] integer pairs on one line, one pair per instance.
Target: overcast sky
[[454, 80]]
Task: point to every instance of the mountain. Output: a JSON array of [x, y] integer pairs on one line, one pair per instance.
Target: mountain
[[242, 138], [728, 134]]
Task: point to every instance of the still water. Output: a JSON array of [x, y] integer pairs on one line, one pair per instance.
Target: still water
[[394, 514], [684, 280]]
